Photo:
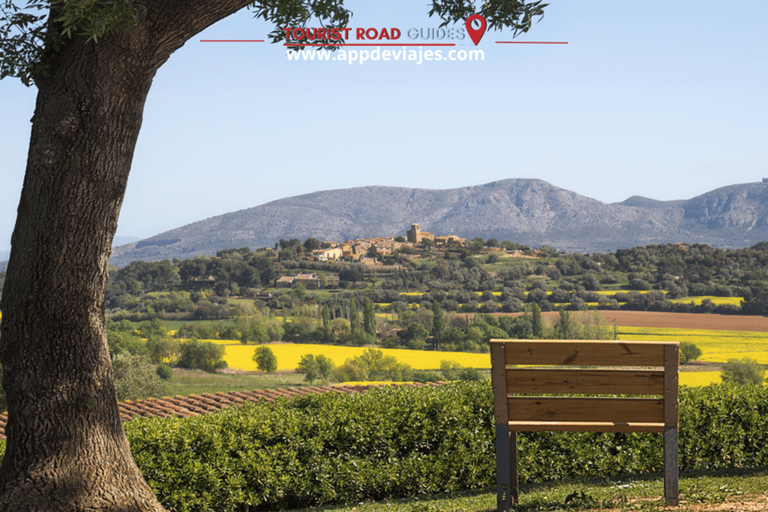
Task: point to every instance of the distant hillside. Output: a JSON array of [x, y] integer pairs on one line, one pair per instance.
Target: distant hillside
[[526, 211]]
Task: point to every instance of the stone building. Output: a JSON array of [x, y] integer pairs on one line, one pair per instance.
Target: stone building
[[415, 235]]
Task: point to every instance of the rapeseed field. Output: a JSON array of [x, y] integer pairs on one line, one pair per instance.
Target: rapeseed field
[[717, 301], [716, 346], [699, 378], [288, 355]]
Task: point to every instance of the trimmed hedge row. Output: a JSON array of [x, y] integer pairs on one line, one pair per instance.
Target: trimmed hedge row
[[326, 449], [332, 448], [321, 449]]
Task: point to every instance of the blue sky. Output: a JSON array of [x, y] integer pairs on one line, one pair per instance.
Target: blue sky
[[662, 99]]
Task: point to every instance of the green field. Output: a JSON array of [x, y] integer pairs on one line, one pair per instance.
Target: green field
[[187, 382]]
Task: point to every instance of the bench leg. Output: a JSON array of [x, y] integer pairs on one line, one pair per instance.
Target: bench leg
[[671, 467], [506, 468]]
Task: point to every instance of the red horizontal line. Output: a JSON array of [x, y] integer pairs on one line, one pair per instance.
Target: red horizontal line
[[370, 44], [232, 40], [531, 42]]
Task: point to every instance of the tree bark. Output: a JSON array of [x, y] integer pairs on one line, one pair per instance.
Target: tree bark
[[66, 448]]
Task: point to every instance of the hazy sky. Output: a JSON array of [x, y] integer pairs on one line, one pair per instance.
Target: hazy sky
[[662, 99]]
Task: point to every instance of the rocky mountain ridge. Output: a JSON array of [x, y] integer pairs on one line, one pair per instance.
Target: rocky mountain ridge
[[527, 211]]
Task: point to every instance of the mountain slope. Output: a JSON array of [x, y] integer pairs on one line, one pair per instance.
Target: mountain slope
[[527, 211]]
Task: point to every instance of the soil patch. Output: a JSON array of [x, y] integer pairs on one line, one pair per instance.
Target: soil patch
[[742, 503], [676, 320], [687, 320]]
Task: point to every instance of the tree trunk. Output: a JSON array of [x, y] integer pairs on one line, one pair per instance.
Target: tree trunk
[[66, 448]]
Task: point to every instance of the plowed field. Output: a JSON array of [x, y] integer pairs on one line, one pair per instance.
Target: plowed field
[[682, 320]]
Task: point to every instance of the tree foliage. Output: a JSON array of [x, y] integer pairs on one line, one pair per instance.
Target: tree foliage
[[134, 378], [265, 359], [369, 317], [689, 352], [315, 366], [203, 355], [438, 321], [31, 33], [743, 371], [93, 63]]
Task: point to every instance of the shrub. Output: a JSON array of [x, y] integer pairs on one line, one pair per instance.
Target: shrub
[[315, 367], [164, 371], [134, 378], [320, 449], [743, 371], [452, 370], [426, 376], [203, 355], [395, 442], [265, 359], [689, 352]]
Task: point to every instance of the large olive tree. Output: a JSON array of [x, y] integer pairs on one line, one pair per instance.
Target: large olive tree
[[93, 62]]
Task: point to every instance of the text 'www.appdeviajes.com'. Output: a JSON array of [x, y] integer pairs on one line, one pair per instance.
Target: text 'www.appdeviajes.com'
[[377, 54]]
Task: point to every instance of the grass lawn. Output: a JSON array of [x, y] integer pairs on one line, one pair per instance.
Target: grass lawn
[[736, 490], [188, 382]]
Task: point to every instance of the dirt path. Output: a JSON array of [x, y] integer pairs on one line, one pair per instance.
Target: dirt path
[[743, 503]]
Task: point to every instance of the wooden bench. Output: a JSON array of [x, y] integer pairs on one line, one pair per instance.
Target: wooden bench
[[514, 413]]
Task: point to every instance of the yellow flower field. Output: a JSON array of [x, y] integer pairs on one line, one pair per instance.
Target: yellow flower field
[[716, 346], [614, 292], [733, 301], [699, 378], [289, 354]]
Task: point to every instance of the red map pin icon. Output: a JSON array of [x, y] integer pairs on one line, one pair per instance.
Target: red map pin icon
[[476, 34]]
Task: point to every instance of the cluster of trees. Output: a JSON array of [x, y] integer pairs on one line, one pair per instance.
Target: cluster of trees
[[293, 249], [373, 365], [415, 328], [230, 272], [461, 279], [744, 371], [134, 349]]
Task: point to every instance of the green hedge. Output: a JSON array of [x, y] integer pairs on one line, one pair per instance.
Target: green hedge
[[321, 449], [333, 448]]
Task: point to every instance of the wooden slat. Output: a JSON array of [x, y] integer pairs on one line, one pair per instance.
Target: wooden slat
[[613, 410], [671, 365], [551, 380], [584, 353], [573, 426], [499, 384]]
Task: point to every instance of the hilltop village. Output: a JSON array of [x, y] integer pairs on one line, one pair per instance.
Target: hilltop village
[[366, 251]]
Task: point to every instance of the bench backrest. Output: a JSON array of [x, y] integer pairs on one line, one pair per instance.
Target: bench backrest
[[574, 368]]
